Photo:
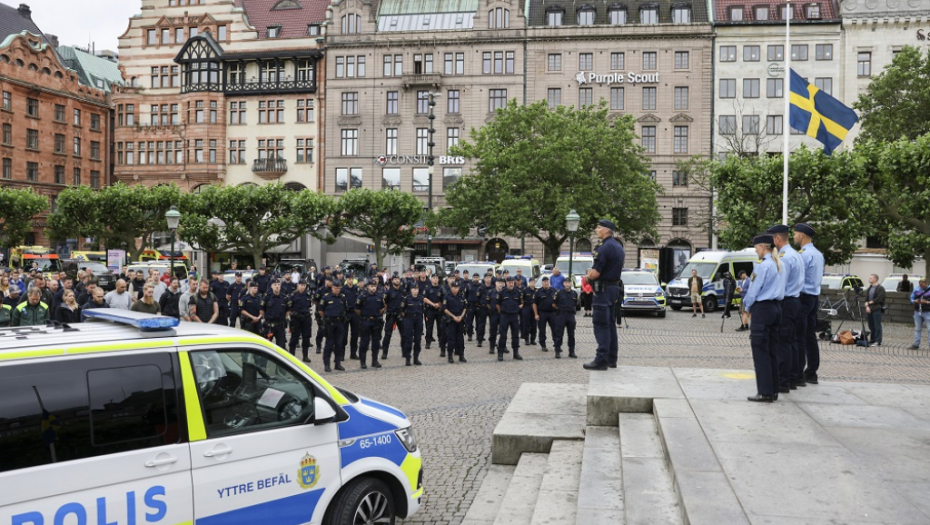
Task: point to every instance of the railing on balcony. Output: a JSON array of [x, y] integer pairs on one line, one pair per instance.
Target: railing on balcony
[[422, 79], [284, 85], [269, 168]]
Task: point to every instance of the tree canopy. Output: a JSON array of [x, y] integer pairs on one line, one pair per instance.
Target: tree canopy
[[387, 217], [897, 102], [534, 164], [17, 209]]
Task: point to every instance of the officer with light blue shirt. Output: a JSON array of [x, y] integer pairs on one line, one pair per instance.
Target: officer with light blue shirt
[[788, 374], [806, 331], [762, 301]]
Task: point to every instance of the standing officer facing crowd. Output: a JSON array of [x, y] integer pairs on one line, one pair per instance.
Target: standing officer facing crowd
[[370, 308], [566, 301], [413, 325], [299, 307], [454, 309], [808, 349], [511, 301], [788, 377], [763, 302], [604, 276], [544, 311], [334, 308]]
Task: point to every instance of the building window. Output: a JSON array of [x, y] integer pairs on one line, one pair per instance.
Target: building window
[[751, 53], [77, 147], [351, 24], [652, 175], [812, 11], [348, 178], [270, 112], [95, 150], [452, 104], [360, 65], [774, 87], [422, 141], [390, 141], [390, 178], [60, 113], [681, 15], [682, 59], [509, 62], [32, 108], [750, 88], [554, 17], [179, 34], [681, 98], [350, 103], [498, 62], [681, 139], [679, 178], [750, 124], [420, 179], [32, 139], [617, 61], [799, 52], [274, 31], [340, 67], [728, 53], [304, 151], [616, 16], [649, 99], [32, 171], [59, 174], [237, 113], [774, 125], [270, 148], [761, 13], [7, 168], [95, 122], [736, 13], [554, 96], [59, 143], [392, 103], [727, 124], [95, 180], [76, 176], [776, 53], [498, 18], [497, 99], [349, 142], [151, 37], [313, 29], [555, 62], [77, 117], [824, 51], [585, 61], [7, 101], [649, 15], [585, 16], [585, 97], [237, 152], [649, 139], [649, 59], [422, 64], [452, 137], [679, 216], [460, 63], [616, 98], [422, 102], [8, 135], [863, 65], [198, 151], [305, 110], [824, 84]]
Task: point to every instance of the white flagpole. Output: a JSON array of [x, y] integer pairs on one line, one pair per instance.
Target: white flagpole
[[786, 91]]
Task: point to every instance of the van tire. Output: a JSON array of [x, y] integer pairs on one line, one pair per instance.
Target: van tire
[[661, 314], [361, 495], [710, 303], [676, 307]]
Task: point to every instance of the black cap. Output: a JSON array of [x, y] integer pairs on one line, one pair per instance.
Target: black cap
[[253, 284], [326, 268], [506, 271], [509, 279], [395, 276], [607, 223], [765, 238], [263, 267], [373, 282], [455, 284], [337, 283], [456, 272], [778, 228], [804, 228], [302, 281]]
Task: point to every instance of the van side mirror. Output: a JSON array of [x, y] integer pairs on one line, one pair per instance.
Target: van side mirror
[[323, 412]]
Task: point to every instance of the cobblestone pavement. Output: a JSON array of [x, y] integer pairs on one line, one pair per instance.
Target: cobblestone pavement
[[455, 408]]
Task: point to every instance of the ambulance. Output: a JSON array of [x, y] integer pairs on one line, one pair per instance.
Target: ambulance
[[44, 258], [132, 418]]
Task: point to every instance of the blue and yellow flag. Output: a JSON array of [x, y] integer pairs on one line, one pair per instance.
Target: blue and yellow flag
[[818, 114]]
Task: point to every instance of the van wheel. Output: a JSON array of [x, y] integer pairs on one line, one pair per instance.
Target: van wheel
[[710, 303], [662, 314], [676, 307], [365, 501]]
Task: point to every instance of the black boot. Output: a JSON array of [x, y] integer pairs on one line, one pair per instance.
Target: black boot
[[364, 366], [354, 356], [383, 355], [558, 354], [517, 356], [416, 361], [339, 367], [407, 361], [480, 344], [451, 359], [375, 363], [326, 368], [442, 353], [571, 353]]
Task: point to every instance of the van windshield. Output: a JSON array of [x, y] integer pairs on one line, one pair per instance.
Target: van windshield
[[93, 266], [704, 270], [579, 266]]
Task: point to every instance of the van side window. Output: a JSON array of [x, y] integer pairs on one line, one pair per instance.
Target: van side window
[[73, 409], [742, 267], [246, 390], [721, 270]]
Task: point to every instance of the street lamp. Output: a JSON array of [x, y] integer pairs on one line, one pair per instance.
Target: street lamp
[[430, 160], [173, 216], [571, 224], [219, 224]]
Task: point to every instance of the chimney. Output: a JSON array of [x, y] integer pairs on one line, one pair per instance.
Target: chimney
[[24, 11], [52, 39]]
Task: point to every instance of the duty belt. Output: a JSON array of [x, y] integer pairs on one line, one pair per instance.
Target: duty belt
[[607, 283], [335, 319], [374, 318]]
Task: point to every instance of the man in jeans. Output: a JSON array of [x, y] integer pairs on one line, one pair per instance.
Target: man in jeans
[[696, 285], [875, 301], [920, 298]]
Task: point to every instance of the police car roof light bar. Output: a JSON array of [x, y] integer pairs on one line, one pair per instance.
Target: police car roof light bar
[[144, 322]]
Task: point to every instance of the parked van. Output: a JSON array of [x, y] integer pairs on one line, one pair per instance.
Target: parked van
[[530, 266], [581, 262], [45, 258], [710, 266]]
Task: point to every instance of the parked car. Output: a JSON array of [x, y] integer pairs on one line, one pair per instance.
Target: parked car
[[103, 275], [288, 265], [835, 281]]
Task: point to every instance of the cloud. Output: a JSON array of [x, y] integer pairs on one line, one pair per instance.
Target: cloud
[[80, 22]]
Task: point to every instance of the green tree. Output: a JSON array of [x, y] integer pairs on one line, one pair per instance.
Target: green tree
[[255, 218], [826, 192], [534, 164], [387, 217], [116, 216], [897, 102], [17, 208]]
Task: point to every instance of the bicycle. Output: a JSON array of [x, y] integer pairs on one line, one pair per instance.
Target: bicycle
[[832, 309]]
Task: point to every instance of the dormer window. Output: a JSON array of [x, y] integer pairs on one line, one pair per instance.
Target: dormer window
[[285, 4], [649, 14], [616, 15], [274, 31], [585, 15], [554, 16], [812, 11], [313, 30], [681, 14], [762, 13], [736, 13], [784, 12], [498, 18]]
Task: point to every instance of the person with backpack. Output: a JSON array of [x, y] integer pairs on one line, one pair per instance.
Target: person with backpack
[[204, 306]]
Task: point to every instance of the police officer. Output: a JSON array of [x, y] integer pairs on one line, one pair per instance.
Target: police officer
[[565, 303], [263, 280], [762, 301], [509, 304], [454, 309], [481, 311], [806, 333], [370, 307], [432, 298], [413, 324], [605, 278], [351, 291], [250, 308], [792, 268], [472, 288], [321, 328], [220, 289], [334, 308], [529, 315], [444, 320], [422, 282], [300, 310], [494, 315], [235, 292], [395, 302], [287, 287], [274, 312], [544, 312]]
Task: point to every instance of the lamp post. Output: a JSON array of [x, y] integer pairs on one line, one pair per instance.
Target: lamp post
[[430, 161], [173, 217], [219, 224], [571, 224]]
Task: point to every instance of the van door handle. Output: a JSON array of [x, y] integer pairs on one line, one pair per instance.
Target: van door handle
[[219, 450], [160, 462]]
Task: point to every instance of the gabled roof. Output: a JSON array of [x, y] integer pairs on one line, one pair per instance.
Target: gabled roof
[[93, 71], [292, 16], [13, 22], [425, 7]]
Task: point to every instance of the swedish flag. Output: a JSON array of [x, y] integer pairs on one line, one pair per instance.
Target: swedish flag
[[818, 114]]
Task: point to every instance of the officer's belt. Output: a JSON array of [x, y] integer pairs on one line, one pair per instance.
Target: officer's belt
[[374, 318], [607, 283], [334, 319]]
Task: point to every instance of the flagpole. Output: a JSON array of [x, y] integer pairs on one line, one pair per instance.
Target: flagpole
[[51, 446], [786, 91]]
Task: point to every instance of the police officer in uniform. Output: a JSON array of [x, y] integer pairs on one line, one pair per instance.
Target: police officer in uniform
[[454, 309], [792, 268], [444, 320], [274, 312], [351, 291], [544, 311], [494, 314], [370, 307], [472, 288], [509, 304], [395, 302], [220, 289], [300, 310], [263, 280], [604, 276], [481, 310], [529, 315], [334, 308], [806, 333], [250, 308], [432, 298], [565, 302], [763, 302], [413, 324], [235, 292], [320, 324]]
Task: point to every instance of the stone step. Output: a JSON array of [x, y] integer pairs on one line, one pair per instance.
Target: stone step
[[649, 493], [558, 494], [539, 414], [519, 501], [600, 487], [487, 502]]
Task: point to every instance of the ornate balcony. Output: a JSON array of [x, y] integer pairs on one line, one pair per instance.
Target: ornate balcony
[[269, 169], [425, 79]]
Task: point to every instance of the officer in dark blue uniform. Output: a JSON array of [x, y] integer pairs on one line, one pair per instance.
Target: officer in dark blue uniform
[[287, 287], [263, 280], [509, 304], [274, 312], [422, 283], [413, 324], [472, 288], [235, 292], [334, 308], [320, 324], [395, 302], [220, 289], [370, 307], [529, 315], [454, 309], [351, 291], [250, 308], [762, 301], [494, 315], [565, 302], [300, 310], [604, 277], [481, 311], [545, 313], [432, 298], [444, 320]]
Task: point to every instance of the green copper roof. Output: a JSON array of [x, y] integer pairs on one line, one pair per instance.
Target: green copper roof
[[411, 7], [94, 71]]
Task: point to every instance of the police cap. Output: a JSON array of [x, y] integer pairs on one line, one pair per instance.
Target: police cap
[[804, 228], [509, 279], [778, 228], [455, 284], [337, 283], [456, 272], [373, 282], [607, 223], [253, 284], [765, 238], [302, 281], [238, 274]]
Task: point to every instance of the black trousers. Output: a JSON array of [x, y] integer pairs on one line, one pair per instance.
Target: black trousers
[[470, 314], [371, 332], [275, 330], [549, 319], [787, 346], [509, 322], [223, 317], [249, 326], [433, 317], [320, 332], [455, 338], [766, 318], [481, 323], [335, 340], [565, 322], [495, 321], [809, 352], [233, 315], [393, 322], [529, 324], [301, 326], [413, 326], [352, 326]]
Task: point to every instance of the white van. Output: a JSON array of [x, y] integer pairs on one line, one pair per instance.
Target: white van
[[710, 266], [581, 262], [133, 418], [529, 266]]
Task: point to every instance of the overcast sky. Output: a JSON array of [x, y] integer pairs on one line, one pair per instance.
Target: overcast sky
[[78, 22]]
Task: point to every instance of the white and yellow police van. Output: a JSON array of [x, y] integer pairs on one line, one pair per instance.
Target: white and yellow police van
[[130, 419]]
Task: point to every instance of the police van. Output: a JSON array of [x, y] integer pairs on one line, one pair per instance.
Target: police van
[[134, 419], [710, 266], [529, 266]]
